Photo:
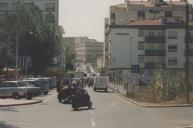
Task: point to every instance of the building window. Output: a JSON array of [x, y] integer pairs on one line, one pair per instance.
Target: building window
[[172, 48], [50, 6], [141, 33], [172, 61], [151, 34], [3, 5], [140, 46], [150, 73], [168, 14], [50, 18], [141, 59], [141, 14], [172, 34]]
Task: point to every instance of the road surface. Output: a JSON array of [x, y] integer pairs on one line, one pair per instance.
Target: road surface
[[109, 111]]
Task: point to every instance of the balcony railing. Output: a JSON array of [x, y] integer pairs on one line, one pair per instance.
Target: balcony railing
[[155, 53], [155, 39], [154, 65]]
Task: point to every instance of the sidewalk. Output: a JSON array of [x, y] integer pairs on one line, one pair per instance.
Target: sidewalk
[[12, 102]]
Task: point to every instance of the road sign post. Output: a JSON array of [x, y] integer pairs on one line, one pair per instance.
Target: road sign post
[[26, 63]]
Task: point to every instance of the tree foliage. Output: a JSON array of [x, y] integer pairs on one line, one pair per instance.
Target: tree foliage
[[36, 37], [70, 59]]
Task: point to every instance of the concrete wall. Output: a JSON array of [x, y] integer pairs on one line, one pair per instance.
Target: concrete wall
[[124, 47]]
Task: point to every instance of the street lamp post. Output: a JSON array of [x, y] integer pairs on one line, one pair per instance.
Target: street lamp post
[[130, 50], [17, 58], [187, 54]]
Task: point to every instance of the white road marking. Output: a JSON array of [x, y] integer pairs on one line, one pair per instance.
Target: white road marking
[[93, 124], [114, 103], [22, 123]]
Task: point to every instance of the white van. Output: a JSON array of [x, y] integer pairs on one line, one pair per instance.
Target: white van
[[101, 83]]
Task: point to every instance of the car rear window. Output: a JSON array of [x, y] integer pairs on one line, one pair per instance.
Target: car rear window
[[101, 80]]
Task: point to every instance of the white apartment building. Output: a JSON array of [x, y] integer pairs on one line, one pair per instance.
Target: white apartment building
[[88, 50], [149, 34]]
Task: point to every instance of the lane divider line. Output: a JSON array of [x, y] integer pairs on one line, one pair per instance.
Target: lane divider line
[[93, 123]]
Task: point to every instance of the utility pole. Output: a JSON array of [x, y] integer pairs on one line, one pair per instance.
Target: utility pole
[[17, 58], [187, 54]]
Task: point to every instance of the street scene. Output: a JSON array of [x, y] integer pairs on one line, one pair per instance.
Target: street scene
[[96, 64], [109, 111]]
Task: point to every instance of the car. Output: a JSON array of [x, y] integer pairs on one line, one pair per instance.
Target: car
[[34, 83], [53, 83], [101, 83], [43, 83], [16, 90]]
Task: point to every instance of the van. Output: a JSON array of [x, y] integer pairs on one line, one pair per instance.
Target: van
[[101, 83]]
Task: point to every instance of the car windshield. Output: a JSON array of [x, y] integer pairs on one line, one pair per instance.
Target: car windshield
[[101, 80]]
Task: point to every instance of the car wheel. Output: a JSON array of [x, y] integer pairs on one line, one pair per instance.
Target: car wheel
[[75, 107], [29, 96], [45, 93], [90, 105], [16, 96], [94, 89], [106, 90]]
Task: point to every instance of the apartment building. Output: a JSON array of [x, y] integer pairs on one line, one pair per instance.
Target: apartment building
[[88, 50], [152, 36]]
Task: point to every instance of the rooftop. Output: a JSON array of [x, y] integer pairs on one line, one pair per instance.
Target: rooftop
[[163, 4]]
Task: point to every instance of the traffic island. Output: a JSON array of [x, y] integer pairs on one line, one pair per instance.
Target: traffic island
[[13, 102], [151, 105]]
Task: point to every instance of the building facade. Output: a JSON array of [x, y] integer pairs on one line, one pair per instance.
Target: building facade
[[152, 36], [88, 50]]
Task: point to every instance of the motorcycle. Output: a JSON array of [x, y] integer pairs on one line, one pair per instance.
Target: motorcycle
[[81, 99], [64, 95]]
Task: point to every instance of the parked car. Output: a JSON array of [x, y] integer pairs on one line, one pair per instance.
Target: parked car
[[101, 83], [37, 90], [43, 83], [53, 83], [16, 89]]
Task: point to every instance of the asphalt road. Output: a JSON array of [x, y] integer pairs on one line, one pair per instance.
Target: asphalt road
[[109, 111]]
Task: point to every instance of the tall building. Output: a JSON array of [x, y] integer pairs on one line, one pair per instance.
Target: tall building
[[88, 50], [149, 34]]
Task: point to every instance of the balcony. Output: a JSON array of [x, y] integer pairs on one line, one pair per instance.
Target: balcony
[[154, 65], [190, 40], [190, 53], [155, 53], [155, 39]]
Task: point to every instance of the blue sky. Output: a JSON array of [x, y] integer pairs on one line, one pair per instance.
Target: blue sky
[[85, 17]]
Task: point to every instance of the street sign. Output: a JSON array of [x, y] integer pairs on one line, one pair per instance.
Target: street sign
[[135, 68], [27, 61]]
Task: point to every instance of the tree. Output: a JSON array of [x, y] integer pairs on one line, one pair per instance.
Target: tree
[[35, 36], [70, 59]]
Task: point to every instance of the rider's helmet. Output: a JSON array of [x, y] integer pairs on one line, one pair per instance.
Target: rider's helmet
[[74, 83]]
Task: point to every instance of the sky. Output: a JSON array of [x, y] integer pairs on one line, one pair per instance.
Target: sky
[[85, 17]]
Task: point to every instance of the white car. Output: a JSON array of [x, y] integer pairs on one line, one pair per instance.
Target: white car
[[101, 83]]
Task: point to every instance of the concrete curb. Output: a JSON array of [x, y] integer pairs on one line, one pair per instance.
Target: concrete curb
[[21, 104], [152, 106], [190, 126]]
